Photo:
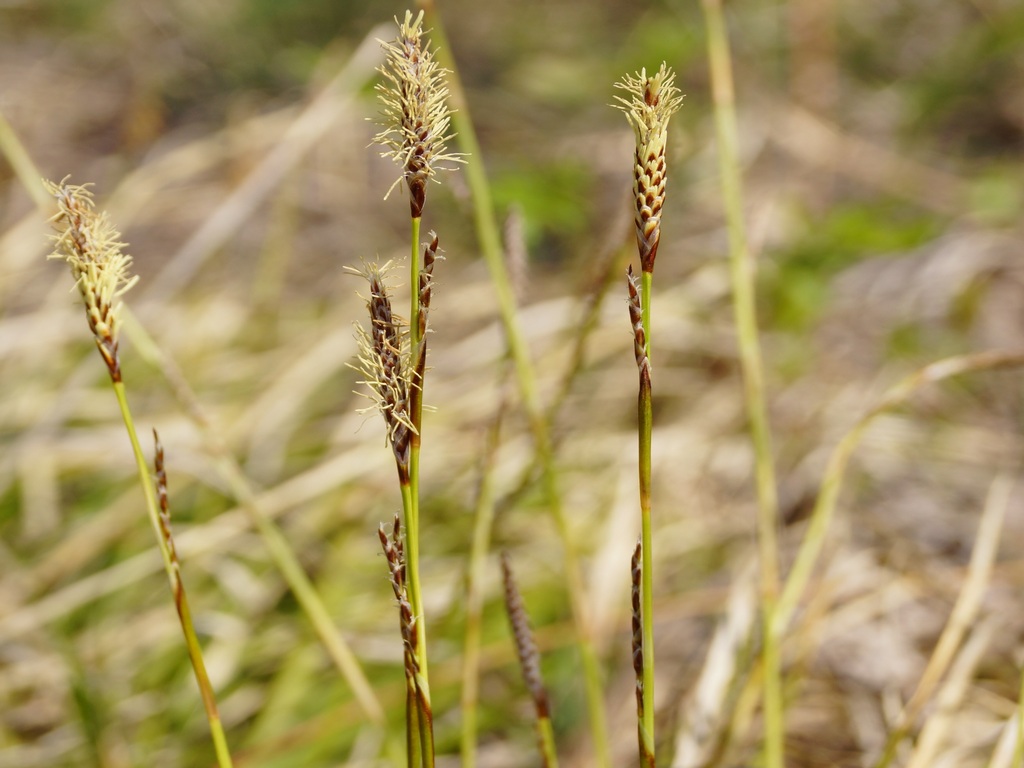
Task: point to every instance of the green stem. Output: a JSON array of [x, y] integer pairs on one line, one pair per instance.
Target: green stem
[[195, 652], [411, 501], [645, 418], [546, 736], [742, 277], [411, 493], [412, 725], [490, 246]]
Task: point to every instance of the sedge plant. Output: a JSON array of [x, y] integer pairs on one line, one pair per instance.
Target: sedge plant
[[92, 248], [393, 352], [650, 102]]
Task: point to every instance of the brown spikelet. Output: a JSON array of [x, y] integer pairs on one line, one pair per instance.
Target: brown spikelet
[[638, 631], [431, 253], [161, 494], [416, 114], [529, 658], [651, 102], [92, 247], [392, 546], [643, 362], [383, 361]]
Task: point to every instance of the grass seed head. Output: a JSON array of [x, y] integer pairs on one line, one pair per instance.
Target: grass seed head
[[650, 102], [92, 247], [416, 116]]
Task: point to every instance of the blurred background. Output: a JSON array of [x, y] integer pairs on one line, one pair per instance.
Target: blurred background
[[881, 147]]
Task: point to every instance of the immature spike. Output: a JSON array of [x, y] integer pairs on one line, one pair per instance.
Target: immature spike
[[651, 102], [161, 494], [643, 362], [399, 545], [416, 114], [529, 658], [392, 547], [638, 631], [92, 247], [431, 253]]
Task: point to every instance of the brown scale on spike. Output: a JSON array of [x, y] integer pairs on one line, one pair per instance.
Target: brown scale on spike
[[651, 102]]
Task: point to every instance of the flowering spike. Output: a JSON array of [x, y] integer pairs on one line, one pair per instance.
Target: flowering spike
[[92, 247], [416, 115], [384, 363], [651, 102]]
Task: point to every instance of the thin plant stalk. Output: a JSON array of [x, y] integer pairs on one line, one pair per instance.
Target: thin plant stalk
[[645, 420], [642, 570], [488, 235], [648, 105], [195, 651], [91, 246], [962, 618], [742, 270], [412, 508]]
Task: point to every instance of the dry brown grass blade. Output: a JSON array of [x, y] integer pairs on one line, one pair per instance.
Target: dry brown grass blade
[[963, 616], [947, 703]]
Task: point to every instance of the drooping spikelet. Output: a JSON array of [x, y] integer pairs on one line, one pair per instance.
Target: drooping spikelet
[[416, 114], [651, 102], [526, 648], [92, 247], [384, 362]]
